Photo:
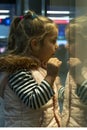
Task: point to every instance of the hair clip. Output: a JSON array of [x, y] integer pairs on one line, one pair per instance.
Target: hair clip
[[21, 17], [34, 16]]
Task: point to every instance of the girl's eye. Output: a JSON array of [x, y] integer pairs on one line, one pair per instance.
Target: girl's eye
[[54, 41]]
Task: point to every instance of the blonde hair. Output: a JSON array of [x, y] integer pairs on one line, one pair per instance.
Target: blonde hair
[[12, 32], [30, 26]]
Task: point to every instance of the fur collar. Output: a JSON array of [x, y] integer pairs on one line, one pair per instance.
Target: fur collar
[[12, 63]]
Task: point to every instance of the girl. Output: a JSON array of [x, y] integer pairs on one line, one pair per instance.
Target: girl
[[31, 92]]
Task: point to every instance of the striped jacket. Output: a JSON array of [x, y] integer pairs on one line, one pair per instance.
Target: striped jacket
[[29, 100]]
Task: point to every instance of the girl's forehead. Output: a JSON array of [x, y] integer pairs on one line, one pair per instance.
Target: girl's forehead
[[53, 35], [54, 32]]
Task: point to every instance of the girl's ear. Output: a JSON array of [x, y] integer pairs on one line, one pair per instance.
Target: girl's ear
[[34, 45]]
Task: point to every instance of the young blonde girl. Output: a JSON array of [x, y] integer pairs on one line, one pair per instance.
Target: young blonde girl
[[31, 92]]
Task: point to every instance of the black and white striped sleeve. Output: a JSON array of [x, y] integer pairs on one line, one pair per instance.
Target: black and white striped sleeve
[[81, 92], [28, 90]]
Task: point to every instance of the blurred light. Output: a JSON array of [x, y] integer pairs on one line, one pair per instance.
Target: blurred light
[[4, 16], [7, 21], [2, 49], [4, 11], [60, 42], [61, 20], [58, 12], [3, 37]]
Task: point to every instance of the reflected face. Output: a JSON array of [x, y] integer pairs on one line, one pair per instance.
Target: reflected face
[[75, 49], [77, 39], [72, 45], [71, 49]]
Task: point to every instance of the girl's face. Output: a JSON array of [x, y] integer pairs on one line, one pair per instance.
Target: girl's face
[[49, 47]]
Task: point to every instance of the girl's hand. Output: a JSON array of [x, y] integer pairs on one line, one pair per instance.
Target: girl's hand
[[76, 70], [74, 62], [53, 67], [52, 70]]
